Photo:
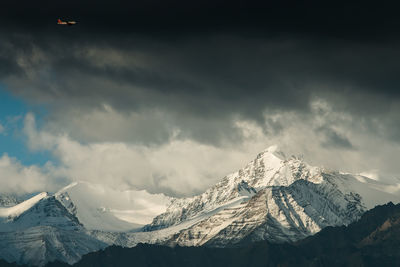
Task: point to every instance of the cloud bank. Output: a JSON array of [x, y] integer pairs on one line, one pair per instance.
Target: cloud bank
[[186, 168], [171, 97]]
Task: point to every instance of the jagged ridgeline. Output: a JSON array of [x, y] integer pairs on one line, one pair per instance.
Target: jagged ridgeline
[[274, 198], [374, 240]]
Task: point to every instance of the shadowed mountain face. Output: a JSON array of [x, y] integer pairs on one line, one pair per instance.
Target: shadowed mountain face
[[273, 198], [374, 240], [40, 230]]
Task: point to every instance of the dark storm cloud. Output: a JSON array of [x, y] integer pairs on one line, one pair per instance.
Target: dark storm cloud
[[333, 139], [202, 65], [352, 18], [8, 65]]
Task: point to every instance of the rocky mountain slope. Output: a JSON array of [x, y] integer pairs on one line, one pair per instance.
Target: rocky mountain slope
[[76, 220], [374, 240], [274, 198], [41, 229]]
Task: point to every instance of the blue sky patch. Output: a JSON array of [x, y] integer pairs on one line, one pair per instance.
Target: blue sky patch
[[12, 140]]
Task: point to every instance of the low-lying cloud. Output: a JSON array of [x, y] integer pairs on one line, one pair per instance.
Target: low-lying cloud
[[186, 168]]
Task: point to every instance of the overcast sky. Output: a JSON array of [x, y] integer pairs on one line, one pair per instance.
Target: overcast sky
[[170, 96]]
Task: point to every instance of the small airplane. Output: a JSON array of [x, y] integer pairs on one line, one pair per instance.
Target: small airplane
[[69, 23]]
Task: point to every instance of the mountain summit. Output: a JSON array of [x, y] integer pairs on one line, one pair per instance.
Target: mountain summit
[[285, 200], [274, 198]]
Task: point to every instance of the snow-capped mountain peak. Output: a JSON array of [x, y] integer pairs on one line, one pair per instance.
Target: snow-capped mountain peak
[[246, 190], [8, 213], [286, 199], [40, 230], [273, 197], [275, 151], [269, 168]]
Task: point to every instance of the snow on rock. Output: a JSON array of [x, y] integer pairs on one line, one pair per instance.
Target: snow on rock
[[372, 192], [8, 213], [39, 210], [270, 168], [63, 226], [8, 201], [274, 198], [40, 230], [287, 200], [42, 244]]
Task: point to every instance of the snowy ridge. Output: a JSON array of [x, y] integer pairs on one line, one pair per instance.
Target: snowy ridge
[[76, 220], [276, 214], [40, 230], [11, 212], [270, 168], [290, 200], [274, 198]]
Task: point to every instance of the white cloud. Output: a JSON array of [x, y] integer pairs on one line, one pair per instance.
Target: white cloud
[[372, 174], [19, 179], [2, 129], [187, 167], [177, 168]]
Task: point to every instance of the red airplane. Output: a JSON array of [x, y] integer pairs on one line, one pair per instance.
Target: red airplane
[[69, 23]]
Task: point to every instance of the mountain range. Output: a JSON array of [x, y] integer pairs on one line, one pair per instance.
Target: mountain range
[[373, 240], [274, 198]]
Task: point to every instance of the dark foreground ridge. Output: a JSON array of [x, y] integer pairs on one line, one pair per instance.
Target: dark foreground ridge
[[374, 240]]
